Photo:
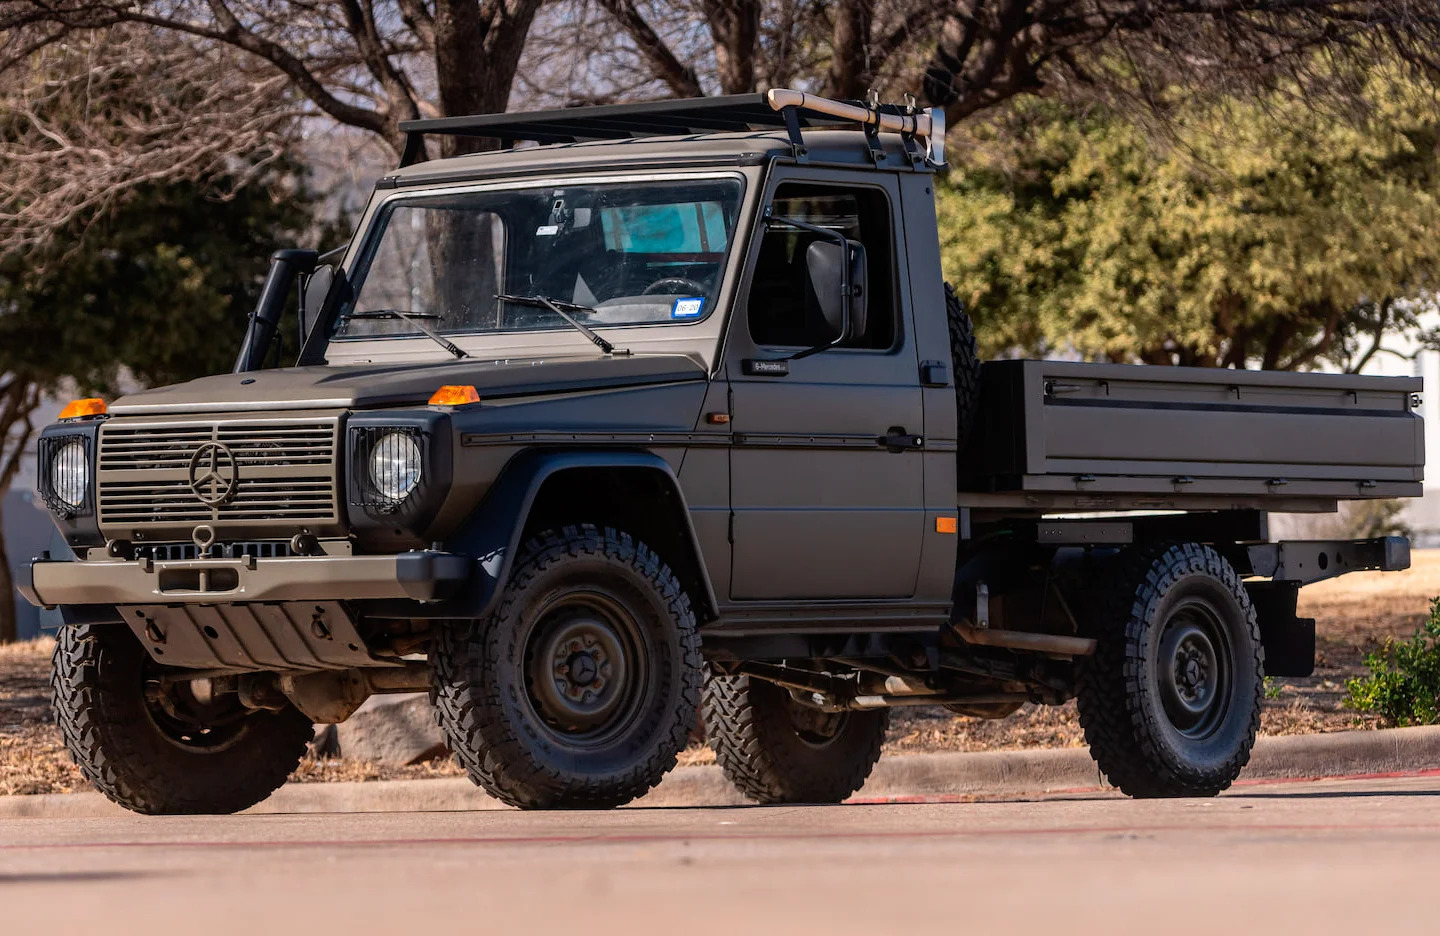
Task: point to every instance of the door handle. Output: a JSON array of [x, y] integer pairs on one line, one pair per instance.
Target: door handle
[[898, 440]]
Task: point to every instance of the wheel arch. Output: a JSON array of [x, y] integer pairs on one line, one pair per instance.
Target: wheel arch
[[636, 491]]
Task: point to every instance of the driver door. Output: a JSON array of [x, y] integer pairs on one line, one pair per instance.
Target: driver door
[[822, 507]]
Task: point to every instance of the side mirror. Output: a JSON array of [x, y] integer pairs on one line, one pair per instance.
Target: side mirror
[[831, 271], [312, 299]]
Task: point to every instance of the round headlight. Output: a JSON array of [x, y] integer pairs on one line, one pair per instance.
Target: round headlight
[[395, 466], [70, 473]]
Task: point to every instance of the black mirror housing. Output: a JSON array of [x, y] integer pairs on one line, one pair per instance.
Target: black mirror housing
[[312, 301], [826, 281]]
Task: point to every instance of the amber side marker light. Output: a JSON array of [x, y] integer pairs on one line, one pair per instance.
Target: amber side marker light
[[947, 524], [79, 409], [454, 396]]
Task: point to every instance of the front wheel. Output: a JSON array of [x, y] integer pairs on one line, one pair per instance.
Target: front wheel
[[1170, 702], [775, 750], [146, 738], [581, 688]]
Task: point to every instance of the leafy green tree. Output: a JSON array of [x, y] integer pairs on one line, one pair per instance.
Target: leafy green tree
[[1256, 233], [156, 290]]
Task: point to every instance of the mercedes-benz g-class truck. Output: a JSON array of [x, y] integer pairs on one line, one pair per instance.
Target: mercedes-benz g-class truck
[[665, 409]]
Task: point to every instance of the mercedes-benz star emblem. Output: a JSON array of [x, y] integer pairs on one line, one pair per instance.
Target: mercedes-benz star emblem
[[214, 474]]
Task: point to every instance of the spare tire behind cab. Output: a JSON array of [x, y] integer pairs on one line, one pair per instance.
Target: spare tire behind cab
[[965, 361]]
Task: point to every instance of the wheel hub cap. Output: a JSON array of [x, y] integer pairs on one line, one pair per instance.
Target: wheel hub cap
[[1193, 675], [578, 668]]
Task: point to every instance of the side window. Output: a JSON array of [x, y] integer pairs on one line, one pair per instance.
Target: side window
[[781, 309]]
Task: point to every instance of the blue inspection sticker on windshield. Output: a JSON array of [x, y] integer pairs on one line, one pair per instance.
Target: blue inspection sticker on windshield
[[688, 308]]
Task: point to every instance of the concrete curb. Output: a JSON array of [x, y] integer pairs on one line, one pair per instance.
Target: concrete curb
[[906, 776]]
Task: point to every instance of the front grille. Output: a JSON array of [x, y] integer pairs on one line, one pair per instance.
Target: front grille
[[170, 552], [279, 472]]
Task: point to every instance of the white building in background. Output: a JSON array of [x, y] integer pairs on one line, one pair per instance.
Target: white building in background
[[1422, 514]]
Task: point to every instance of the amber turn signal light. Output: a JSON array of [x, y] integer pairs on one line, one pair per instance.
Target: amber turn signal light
[[79, 409], [947, 524], [454, 396]]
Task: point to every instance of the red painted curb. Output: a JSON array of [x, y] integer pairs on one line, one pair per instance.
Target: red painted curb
[[924, 800]]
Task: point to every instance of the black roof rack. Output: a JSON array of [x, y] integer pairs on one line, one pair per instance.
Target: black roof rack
[[788, 110]]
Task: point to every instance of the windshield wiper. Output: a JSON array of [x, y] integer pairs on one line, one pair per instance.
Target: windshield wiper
[[412, 318], [559, 308]]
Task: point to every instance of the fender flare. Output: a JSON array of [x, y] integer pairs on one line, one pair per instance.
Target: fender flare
[[492, 534]]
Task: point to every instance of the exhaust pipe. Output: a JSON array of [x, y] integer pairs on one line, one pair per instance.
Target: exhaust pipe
[[865, 702], [1025, 640]]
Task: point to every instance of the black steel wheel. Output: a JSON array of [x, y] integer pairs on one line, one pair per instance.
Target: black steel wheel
[[1170, 702], [582, 687], [151, 741], [775, 750]]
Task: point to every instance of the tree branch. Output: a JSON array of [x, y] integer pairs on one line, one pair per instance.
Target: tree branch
[[679, 78]]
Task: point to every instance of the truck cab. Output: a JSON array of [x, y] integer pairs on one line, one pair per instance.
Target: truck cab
[[674, 412]]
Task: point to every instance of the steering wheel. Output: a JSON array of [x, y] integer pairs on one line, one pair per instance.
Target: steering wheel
[[667, 286]]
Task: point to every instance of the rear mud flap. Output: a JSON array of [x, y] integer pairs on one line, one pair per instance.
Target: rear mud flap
[[1289, 641]]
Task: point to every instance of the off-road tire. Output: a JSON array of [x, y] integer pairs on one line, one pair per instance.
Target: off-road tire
[[490, 717], [965, 361], [98, 697], [1121, 691], [748, 723]]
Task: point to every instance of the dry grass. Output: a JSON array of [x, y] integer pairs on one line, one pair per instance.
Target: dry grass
[[336, 769], [29, 651], [1354, 615], [32, 758]]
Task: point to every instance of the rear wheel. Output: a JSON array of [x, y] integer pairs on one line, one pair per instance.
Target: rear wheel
[[148, 740], [1170, 702], [775, 750], [582, 687]]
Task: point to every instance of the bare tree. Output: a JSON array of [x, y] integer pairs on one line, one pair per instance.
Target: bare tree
[[970, 55], [63, 164], [363, 63], [991, 50], [840, 48]]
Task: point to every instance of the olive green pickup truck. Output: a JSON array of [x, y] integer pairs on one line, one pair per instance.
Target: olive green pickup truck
[[668, 413]]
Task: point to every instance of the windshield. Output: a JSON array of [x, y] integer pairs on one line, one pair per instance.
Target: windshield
[[634, 253]]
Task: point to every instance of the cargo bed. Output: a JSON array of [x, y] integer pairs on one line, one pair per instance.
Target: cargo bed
[[1058, 435]]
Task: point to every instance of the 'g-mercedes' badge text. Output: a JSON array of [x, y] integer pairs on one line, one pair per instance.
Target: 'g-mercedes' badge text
[[214, 474]]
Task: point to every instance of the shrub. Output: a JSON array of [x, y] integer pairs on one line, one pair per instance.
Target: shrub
[[1372, 518], [1404, 682]]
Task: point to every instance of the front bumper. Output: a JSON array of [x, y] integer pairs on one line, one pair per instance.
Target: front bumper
[[423, 575]]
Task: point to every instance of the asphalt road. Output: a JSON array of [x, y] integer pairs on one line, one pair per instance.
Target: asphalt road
[[1356, 856]]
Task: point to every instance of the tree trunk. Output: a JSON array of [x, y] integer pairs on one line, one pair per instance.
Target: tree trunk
[[850, 74], [735, 27], [477, 51], [8, 623]]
